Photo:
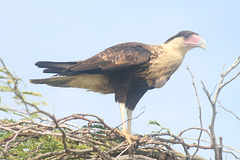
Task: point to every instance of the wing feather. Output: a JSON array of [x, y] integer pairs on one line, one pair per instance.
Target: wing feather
[[115, 58]]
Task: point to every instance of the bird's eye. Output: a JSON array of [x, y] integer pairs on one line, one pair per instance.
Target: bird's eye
[[186, 36]]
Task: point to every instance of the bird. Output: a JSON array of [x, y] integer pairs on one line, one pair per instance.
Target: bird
[[127, 70]]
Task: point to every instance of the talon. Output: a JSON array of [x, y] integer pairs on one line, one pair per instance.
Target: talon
[[129, 138]]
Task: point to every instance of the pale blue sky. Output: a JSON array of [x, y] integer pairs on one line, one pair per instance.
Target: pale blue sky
[[75, 30]]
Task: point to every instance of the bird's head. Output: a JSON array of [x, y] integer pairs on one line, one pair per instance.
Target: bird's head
[[186, 40]]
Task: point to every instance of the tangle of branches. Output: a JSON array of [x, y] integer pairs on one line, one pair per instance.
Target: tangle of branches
[[40, 135]]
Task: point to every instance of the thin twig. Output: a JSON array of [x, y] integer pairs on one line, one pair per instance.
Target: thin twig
[[213, 101], [194, 128], [199, 110], [123, 151], [230, 152], [96, 139], [220, 105]]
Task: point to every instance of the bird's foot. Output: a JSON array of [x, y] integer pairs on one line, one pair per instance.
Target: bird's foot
[[129, 138]]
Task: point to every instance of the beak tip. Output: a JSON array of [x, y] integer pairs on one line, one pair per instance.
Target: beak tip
[[202, 44]]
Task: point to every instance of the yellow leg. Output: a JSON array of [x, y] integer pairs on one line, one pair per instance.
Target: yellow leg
[[126, 132], [129, 123], [122, 112]]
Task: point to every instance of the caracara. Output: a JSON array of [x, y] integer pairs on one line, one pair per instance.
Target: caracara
[[128, 70]]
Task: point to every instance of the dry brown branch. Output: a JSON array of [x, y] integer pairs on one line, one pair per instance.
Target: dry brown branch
[[195, 128], [34, 130], [104, 143], [83, 117], [145, 144], [199, 110], [230, 152], [213, 101], [237, 117], [234, 65], [27, 104]]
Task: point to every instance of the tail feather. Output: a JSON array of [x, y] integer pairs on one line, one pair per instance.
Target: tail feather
[[53, 70], [54, 81], [49, 64], [54, 67], [91, 82]]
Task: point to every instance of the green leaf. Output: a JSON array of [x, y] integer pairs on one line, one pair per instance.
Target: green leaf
[[43, 103], [2, 77], [32, 93], [5, 88], [3, 109], [35, 115], [154, 123], [9, 81], [162, 128]]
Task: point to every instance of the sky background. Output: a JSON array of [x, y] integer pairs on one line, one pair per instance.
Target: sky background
[[74, 30]]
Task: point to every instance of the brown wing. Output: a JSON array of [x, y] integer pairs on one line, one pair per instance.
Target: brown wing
[[118, 57]]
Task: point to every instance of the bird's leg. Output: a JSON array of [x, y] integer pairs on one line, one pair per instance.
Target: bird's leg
[[129, 123], [123, 119], [124, 131]]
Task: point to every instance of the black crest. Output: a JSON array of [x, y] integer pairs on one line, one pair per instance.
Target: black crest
[[184, 34]]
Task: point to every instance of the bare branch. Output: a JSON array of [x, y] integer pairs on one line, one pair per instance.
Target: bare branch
[[220, 105], [123, 151], [213, 101], [230, 152], [195, 128], [103, 142], [223, 75], [199, 110]]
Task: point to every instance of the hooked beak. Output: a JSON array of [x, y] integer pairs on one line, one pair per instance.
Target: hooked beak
[[195, 41], [202, 43]]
